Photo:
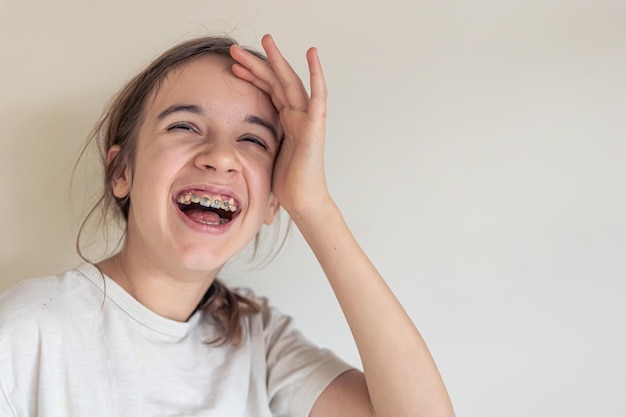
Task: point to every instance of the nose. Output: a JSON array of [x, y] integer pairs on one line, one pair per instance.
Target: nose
[[218, 156]]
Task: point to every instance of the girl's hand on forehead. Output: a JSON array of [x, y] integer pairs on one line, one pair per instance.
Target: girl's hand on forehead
[[299, 182], [276, 77]]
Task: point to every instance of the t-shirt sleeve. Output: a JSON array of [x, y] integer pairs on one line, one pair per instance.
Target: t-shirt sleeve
[[297, 370]]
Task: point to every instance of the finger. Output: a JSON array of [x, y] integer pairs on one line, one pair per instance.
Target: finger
[[261, 70], [295, 92], [319, 92], [243, 73]]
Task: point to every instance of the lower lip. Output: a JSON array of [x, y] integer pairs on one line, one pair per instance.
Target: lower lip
[[201, 227]]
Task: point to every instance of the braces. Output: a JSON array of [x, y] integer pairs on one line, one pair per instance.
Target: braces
[[206, 201]]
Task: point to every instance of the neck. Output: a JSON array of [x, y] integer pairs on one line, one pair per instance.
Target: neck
[[174, 296]]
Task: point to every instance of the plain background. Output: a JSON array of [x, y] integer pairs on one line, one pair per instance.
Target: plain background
[[477, 150]]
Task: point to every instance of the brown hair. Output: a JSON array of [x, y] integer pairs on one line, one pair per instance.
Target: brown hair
[[119, 125]]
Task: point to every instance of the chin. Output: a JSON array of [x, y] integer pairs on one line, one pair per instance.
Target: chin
[[203, 261]]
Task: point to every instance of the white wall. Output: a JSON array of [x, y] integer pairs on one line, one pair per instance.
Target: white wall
[[476, 148]]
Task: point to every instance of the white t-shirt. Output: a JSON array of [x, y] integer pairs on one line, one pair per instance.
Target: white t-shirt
[[79, 345]]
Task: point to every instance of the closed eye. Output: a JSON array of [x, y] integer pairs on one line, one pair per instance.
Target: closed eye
[[255, 140], [182, 126]]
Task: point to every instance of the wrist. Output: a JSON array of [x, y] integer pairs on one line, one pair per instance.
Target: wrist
[[320, 215]]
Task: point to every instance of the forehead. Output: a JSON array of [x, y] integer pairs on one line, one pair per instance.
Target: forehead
[[209, 82]]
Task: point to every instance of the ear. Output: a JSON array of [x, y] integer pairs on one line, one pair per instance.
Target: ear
[[121, 179], [272, 209]]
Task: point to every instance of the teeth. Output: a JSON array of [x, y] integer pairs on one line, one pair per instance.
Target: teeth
[[217, 202], [184, 198], [204, 200]]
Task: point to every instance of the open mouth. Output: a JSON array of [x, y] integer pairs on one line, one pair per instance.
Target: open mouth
[[207, 209]]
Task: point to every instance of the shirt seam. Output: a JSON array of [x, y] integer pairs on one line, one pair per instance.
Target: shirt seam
[[130, 310]]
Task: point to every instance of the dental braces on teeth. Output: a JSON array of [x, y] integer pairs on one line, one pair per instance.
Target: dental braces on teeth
[[204, 200]]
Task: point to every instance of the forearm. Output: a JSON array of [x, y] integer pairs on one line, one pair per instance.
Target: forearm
[[402, 379]]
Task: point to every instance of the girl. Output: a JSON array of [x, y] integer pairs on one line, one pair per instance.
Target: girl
[[200, 150]]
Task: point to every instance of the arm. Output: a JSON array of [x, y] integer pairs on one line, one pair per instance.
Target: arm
[[400, 377]]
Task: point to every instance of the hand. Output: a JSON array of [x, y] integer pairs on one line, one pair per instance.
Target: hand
[[299, 182]]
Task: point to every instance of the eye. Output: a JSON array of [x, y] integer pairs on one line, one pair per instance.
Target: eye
[[182, 126], [255, 140]]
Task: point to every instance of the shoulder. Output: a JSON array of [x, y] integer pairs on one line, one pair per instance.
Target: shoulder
[[297, 369], [280, 334], [43, 300]]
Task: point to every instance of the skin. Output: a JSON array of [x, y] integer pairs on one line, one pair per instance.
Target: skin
[[172, 262]]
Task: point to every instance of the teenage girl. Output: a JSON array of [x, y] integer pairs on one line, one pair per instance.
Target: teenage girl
[[200, 150]]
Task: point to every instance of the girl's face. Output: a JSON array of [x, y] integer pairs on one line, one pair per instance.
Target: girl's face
[[201, 185]]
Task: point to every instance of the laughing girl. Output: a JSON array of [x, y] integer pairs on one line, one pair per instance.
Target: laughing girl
[[199, 151]]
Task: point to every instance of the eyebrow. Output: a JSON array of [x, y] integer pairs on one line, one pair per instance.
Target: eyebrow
[[189, 108]]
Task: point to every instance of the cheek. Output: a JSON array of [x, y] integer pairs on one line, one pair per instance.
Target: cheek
[[259, 174], [268, 174], [156, 166]]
